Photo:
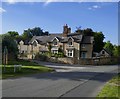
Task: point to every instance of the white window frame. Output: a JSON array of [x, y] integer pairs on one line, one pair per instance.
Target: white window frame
[[70, 53], [55, 43], [55, 51]]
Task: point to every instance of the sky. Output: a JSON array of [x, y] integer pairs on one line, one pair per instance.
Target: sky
[[51, 16]]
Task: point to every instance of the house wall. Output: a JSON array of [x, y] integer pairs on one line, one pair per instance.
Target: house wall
[[88, 49], [105, 53], [23, 48], [77, 50], [36, 49]]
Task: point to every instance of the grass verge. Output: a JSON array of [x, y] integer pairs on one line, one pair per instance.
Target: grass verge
[[27, 68], [111, 89]]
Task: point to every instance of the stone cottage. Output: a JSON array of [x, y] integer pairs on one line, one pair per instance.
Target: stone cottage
[[74, 45]]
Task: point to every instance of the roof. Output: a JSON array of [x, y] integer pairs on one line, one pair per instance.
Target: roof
[[77, 38], [86, 40], [26, 42], [45, 39], [107, 51]]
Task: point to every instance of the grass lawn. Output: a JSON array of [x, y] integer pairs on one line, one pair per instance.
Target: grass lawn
[[111, 89], [27, 68]]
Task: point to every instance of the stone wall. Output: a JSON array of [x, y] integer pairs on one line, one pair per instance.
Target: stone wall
[[65, 60], [89, 61], [100, 61]]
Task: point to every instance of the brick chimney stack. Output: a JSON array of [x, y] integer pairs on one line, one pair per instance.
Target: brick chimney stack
[[66, 30]]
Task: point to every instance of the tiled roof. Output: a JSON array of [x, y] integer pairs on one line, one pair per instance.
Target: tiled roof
[[86, 40], [77, 38], [26, 42]]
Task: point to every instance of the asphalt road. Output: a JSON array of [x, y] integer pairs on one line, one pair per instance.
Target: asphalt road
[[67, 81]]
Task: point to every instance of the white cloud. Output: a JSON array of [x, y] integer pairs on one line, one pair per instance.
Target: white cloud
[[94, 7], [2, 10], [11, 1], [48, 2], [14, 1]]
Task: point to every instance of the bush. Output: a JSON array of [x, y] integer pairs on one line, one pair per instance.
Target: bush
[[42, 57]]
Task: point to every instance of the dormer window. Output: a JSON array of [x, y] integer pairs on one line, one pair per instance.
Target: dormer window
[[103, 52], [21, 42], [70, 43], [34, 43], [55, 42]]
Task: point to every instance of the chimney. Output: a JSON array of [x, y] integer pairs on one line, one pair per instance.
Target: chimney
[[69, 30], [66, 30]]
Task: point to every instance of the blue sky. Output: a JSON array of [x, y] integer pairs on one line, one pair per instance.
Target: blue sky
[[51, 17]]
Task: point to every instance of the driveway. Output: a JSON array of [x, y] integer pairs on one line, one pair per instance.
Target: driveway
[[67, 81]]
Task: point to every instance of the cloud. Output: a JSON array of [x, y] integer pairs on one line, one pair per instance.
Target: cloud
[[94, 7], [50, 1], [46, 2], [11, 1], [2, 10]]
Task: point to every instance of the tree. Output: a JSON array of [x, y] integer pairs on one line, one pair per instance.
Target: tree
[[11, 45], [98, 41], [109, 47], [37, 31], [13, 33], [49, 47], [88, 32], [116, 51]]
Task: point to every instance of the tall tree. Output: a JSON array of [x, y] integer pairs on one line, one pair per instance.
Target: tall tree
[[88, 32], [13, 34], [116, 51], [37, 31], [98, 41], [109, 46], [11, 45]]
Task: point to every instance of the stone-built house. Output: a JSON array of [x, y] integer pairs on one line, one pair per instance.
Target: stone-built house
[[104, 53], [75, 45]]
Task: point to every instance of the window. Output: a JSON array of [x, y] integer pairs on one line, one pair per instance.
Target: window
[[55, 42], [70, 42], [55, 51], [70, 53], [83, 55], [35, 43], [103, 52], [83, 45]]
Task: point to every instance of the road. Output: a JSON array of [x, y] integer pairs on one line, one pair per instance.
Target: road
[[67, 81]]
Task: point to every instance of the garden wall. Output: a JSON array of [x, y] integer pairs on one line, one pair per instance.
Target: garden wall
[[94, 61]]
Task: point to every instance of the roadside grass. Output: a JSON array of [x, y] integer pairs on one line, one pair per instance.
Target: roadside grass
[[111, 89], [27, 68]]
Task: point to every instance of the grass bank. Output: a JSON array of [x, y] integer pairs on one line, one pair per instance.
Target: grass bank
[[27, 68], [111, 89]]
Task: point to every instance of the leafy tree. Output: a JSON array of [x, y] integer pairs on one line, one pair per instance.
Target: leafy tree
[[98, 41], [13, 34], [27, 34], [109, 47], [49, 47], [88, 32], [11, 45], [116, 51], [37, 31]]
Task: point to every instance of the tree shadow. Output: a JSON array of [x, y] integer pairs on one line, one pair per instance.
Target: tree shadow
[[75, 76]]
